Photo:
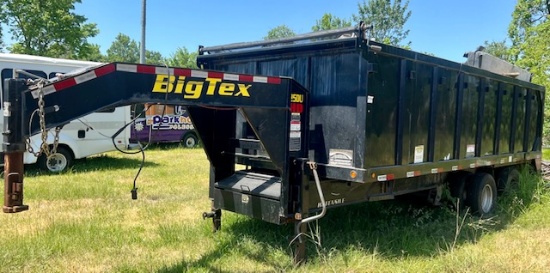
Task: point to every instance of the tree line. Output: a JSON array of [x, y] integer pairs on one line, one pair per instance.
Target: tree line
[[53, 29], [528, 46]]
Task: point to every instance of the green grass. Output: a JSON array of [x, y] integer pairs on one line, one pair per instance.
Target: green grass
[[84, 220]]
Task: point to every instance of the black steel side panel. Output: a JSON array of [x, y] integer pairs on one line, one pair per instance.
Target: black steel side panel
[[418, 109], [388, 94], [445, 109], [507, 91], [336, 77]]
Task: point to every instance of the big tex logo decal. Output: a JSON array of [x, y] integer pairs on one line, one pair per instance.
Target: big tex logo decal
[[196, 89]]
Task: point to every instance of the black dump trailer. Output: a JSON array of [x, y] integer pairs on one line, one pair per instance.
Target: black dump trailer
[[383, 121], [319, 120]]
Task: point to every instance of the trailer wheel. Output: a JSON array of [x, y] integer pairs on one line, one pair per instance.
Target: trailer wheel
[[507, 177], [481, 194], [58, 162], [190, 140]]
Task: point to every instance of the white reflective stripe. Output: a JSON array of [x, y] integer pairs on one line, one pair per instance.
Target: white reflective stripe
[[454, 168], [164, 70], [473, 165], [230, 77], [47, 90], [259, 79], [127, 67], [199, 74], [382, 177], [85, 77], [435, 170], [410, 174]]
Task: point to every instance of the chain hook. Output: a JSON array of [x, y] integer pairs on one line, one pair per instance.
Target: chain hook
[[44, 147]]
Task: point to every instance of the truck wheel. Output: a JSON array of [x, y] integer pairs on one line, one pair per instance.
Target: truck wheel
[[481, 194], [507, 177], [58, 162], [190, 141]]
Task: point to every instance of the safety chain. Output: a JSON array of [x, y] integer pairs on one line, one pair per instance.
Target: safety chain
[[44, 147]]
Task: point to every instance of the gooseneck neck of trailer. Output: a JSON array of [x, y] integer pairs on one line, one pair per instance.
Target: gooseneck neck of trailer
[[213, 99]]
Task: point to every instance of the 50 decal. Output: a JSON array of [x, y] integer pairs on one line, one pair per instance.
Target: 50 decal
[[196, 89], [299, 98]]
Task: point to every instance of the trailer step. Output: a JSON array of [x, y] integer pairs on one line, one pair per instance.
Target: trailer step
[[257, 184]]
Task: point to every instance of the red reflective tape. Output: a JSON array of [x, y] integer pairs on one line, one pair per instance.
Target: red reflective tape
[[182, 72], [64, 84], [417, 173], [246, 78], [390, 176], [104, 70], [146, 69], [296, 107], [273, 80], [216, 75]]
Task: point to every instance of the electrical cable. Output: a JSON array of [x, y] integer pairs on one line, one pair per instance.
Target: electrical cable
[[141, 150]]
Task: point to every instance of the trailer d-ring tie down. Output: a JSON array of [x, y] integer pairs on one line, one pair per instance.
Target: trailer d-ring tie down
[[313, 166]]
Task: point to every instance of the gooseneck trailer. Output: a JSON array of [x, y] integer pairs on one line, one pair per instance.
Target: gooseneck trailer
[[319, 120]]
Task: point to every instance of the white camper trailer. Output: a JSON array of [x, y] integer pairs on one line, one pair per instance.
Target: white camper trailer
[[83, 137]]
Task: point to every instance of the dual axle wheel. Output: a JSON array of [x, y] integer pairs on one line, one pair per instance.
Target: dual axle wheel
[[479, 191]]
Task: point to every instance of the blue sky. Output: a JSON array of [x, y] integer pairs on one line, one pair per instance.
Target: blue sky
[[446, 28]]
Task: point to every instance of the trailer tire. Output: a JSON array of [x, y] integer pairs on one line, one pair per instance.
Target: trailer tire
[[190, 141], [507, 177], [481, 194], [58, 162]]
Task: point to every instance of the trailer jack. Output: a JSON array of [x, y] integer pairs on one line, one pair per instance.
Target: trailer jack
[[300, 227], [216, 215]]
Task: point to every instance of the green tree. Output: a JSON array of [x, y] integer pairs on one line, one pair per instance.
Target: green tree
[[1, 40], [498, 49], [94, 54], [527, 15], [529, 31], [182, 58], [123, 49], [328, 21], [279, 32], [2, 20], [154, 57], [47, 28], [388, 17], [126, 49]]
